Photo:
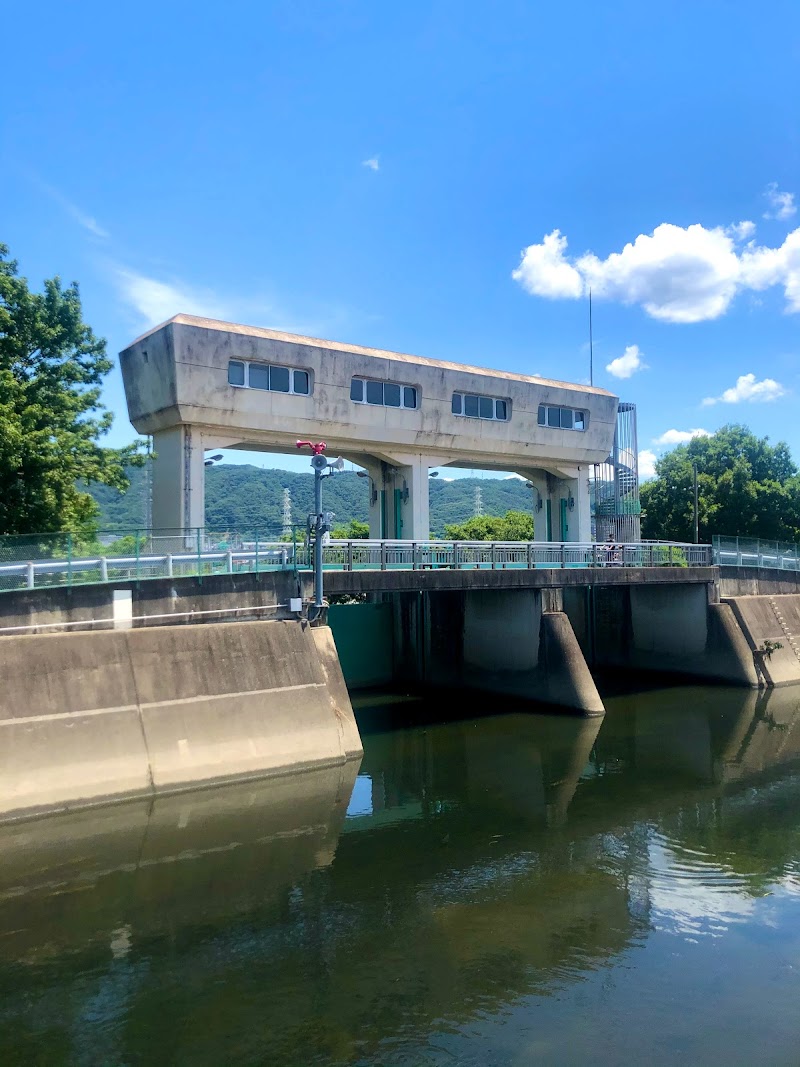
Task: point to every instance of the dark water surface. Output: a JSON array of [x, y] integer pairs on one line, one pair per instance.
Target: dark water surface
[[499, 890]]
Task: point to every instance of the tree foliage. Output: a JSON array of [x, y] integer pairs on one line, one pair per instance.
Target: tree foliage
[[353, 531], [245, 498], [746, 487], [51, 418], [513, 526]]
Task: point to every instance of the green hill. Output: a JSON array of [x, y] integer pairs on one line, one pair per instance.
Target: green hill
[[247, 498]]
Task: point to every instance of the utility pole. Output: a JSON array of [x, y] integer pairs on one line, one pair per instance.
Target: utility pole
[[696, 507]]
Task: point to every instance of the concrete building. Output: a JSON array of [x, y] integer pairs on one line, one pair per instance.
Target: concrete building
[[196, 384]]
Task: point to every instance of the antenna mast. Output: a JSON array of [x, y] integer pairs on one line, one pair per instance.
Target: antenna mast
[[591, 344]]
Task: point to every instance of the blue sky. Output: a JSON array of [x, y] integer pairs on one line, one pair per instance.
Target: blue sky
[[440, 178]]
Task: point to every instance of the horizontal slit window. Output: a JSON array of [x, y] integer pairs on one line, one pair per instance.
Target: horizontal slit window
[[475, 406], [269, 376], [562, 418], [383, 394]]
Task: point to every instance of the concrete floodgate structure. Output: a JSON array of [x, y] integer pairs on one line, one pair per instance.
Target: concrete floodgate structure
[[196, 385], [90, 717]]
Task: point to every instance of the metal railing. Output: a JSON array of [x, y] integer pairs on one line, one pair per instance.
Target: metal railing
[[755, 552], [172, 554]]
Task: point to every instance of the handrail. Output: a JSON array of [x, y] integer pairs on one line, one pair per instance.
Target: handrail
[[351, 555]]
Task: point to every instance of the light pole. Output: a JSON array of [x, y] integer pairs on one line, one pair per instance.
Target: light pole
[[696, 507], [319, 522]]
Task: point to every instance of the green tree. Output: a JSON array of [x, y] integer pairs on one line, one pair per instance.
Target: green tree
[[353, 531], [513, 526], [51, 418], [746, 486]]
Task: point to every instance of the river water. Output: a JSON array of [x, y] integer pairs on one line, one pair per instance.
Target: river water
[[500, 889]]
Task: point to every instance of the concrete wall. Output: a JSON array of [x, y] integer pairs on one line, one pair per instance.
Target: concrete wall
[[154, 601], [90, 717], [752, 581], [775, 619]]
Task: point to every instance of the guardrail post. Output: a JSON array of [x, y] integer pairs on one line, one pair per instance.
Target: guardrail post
[[594, 554], [30, 574], [563, 555], [229, 561], [69, 561], [199, 555], [284, 558], [349, 555], [136, 543], [455, 555], [530, 555], [650, 553], [413, 555], [383, 555], [670, 555], [103, 569], [494, 556], [169, 565], [256, 561]]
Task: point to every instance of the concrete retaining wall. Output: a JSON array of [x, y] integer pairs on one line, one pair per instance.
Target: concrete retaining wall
[[89, 717], [775, 619], [752, 581], [152, 601]]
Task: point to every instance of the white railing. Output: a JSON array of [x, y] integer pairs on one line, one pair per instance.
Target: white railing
[[351, 556], [756, 552]]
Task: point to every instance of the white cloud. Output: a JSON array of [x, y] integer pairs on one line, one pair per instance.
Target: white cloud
[[677, 274], [647, 464], [373, 163], [748, 390], [680, 437], [544, 270], [742, 231], [781, 204], [155, 301], [88, 222], [626, 365]]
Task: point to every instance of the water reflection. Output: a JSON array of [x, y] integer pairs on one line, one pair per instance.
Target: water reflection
[[486, 867]]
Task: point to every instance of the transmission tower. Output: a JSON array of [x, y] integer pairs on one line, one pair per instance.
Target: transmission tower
[[478, 500], [287, 513]]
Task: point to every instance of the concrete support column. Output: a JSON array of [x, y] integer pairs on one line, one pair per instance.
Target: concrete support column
[[178, 479], [538, 498], [413, 499], [580, 520]]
